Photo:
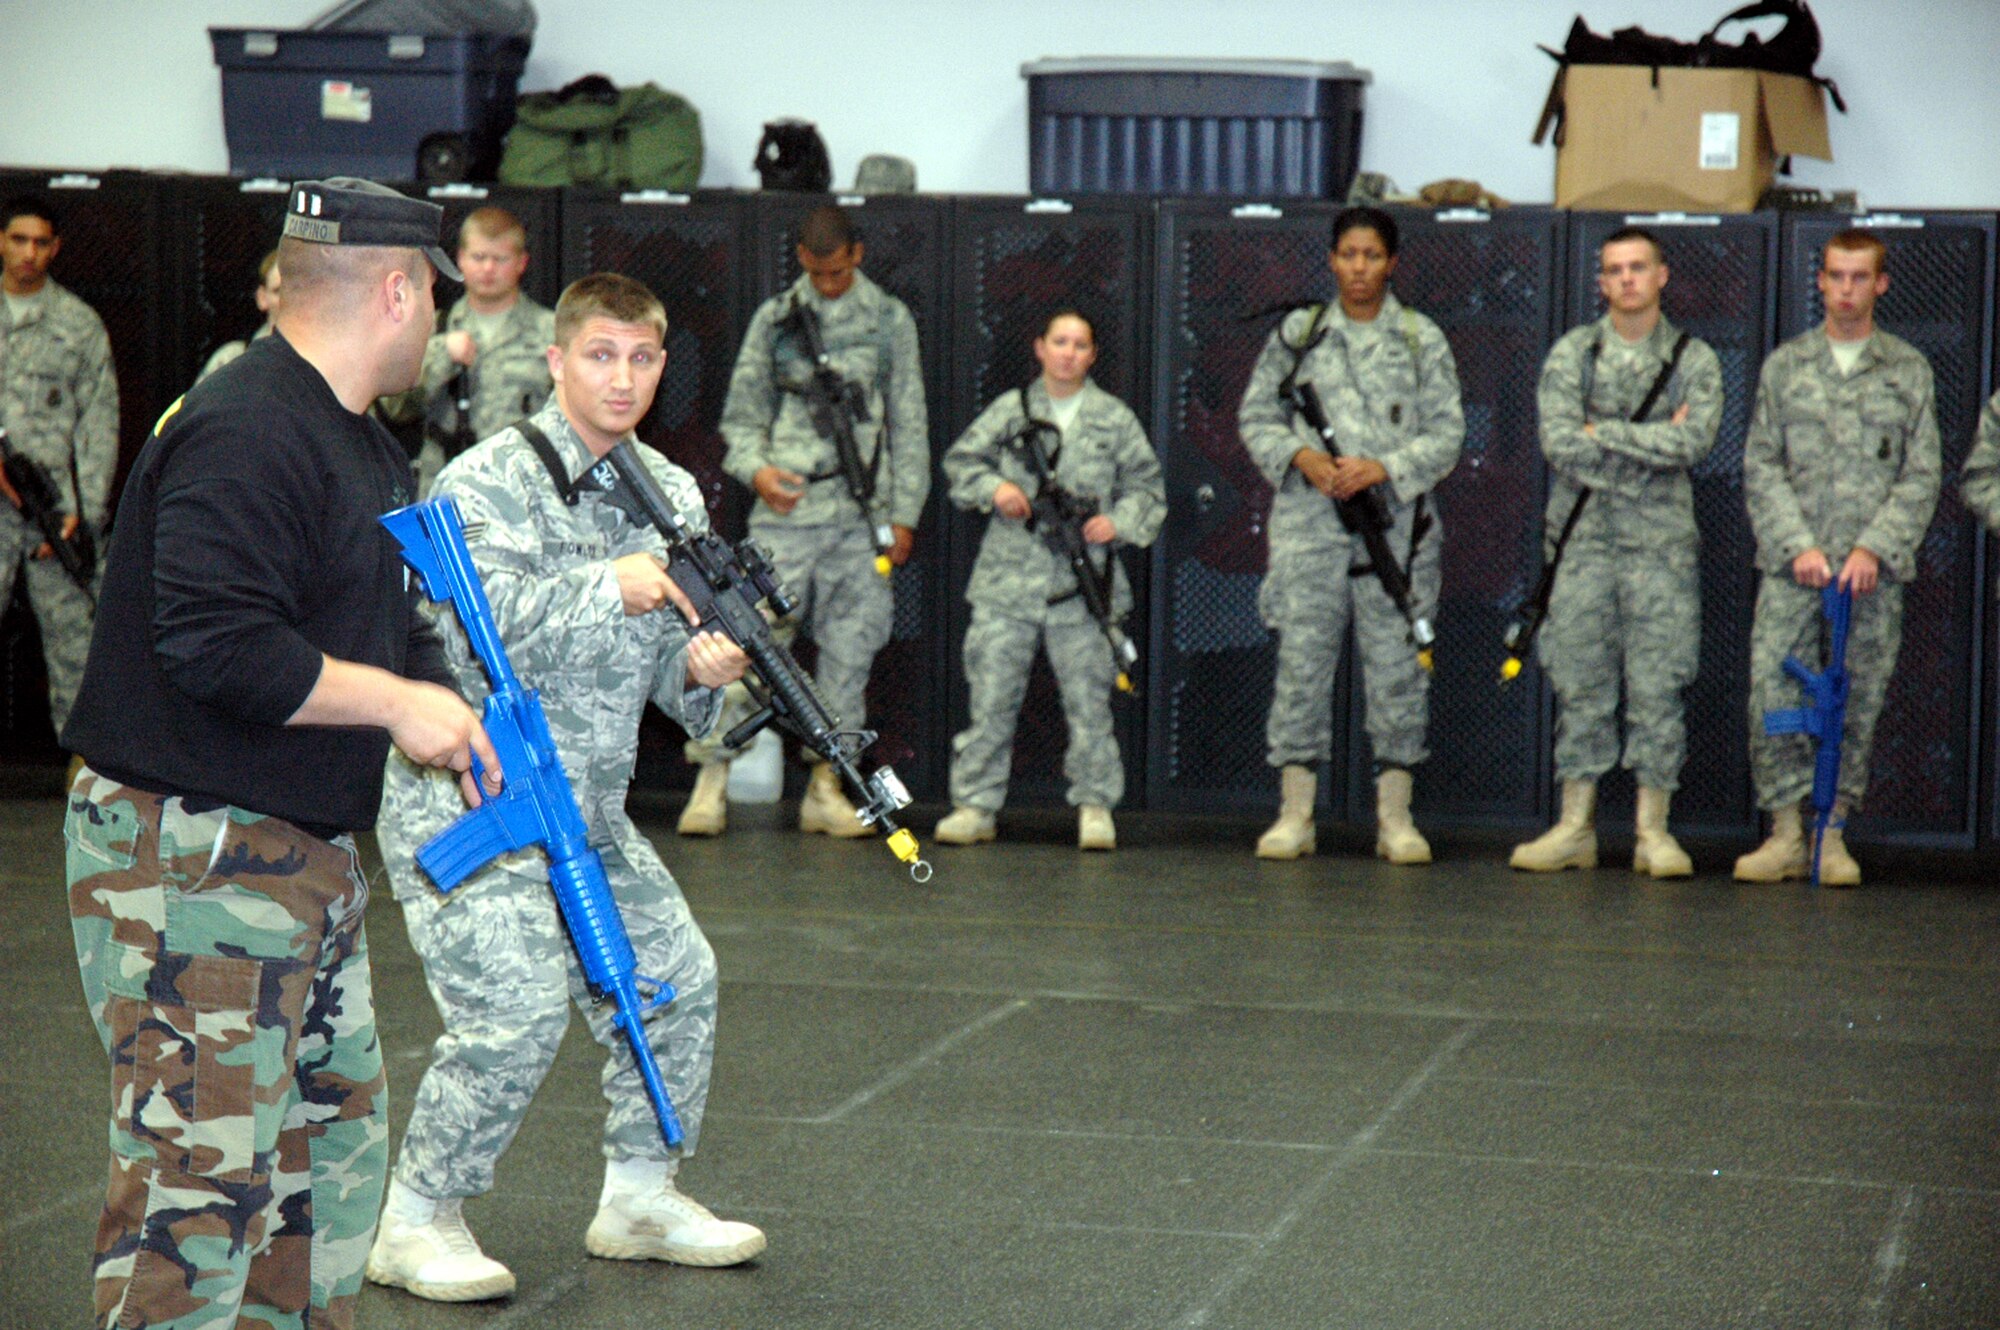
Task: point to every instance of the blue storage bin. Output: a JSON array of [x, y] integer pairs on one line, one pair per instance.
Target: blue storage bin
[[1259, 128], [309, 103]]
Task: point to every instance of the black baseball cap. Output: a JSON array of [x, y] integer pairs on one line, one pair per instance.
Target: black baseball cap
[[346, 210]]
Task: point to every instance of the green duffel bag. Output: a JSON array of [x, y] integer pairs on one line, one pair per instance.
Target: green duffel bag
[[596, 133]]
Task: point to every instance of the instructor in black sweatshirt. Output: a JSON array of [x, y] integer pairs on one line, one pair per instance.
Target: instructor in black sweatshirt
[[256, 653]]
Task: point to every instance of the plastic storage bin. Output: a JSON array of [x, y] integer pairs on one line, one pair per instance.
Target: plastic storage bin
[[302, 104], [1262, 128]]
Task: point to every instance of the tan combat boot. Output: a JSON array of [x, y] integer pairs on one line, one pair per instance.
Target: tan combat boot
[[965, 825], [707, 811], [825, 807], [1571, 842], [1292, 834], [1781, 858], [1396, 837], [1655, 851], [1836, 866], [1094, 828]]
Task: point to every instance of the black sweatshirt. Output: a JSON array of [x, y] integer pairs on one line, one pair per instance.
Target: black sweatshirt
[[246, 545]]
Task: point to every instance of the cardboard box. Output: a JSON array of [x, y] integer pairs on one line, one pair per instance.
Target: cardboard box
[[1685, 140]]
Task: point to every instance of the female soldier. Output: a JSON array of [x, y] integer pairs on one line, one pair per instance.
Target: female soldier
[[1023, 591], [1389, 386]]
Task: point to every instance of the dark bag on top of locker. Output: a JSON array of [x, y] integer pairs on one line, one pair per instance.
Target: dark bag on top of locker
[[593, 132], [1793, 49], [792, 156]]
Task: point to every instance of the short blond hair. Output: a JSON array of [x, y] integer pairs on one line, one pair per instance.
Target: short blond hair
[[494, 224], [607, 295]]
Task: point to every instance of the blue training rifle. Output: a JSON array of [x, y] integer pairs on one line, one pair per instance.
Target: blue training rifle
[[1824, 714], [537, 806]]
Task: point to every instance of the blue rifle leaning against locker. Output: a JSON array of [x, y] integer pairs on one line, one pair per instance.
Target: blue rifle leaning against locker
[[1824, 715], [537, 807]]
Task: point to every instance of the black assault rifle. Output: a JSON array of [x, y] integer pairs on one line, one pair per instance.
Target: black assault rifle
[[725, 585], [41, 504], [836, 405], [457, 399], [1367, 515], [1059, 516]]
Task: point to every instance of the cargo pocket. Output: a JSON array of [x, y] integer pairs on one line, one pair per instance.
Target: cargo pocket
[[187, 1057]]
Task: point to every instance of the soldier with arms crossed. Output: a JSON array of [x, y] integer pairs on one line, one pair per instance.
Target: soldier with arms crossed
[[1625, 609]]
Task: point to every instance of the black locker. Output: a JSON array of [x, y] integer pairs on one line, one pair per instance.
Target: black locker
[[691, 254], [1721, 287], [1212, 659], [906, 250], [1490, 281], [1923, 777], [1014, 261], [219, 230]]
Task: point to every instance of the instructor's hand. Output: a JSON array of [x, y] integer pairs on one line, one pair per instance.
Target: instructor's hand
[[1010, 500], [902, 540], [433, 727]]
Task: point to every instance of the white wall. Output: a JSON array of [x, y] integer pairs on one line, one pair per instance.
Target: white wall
[[1457, 86]]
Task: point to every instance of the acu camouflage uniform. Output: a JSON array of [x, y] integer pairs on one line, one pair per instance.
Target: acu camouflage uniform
[[509, 379], [219, 951], [823, 551], [496, 957], [59, 405], [1626, 606], [1390, 387], [1981, 484], [1023, 592], [1832, 463]]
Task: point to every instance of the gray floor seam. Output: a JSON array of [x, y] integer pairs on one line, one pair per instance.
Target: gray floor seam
[[1755, 1096], [1593, 1021], [1232, 1279], [868, 1094], [93, 1196], [525, 1311], [1891, 1255], [1677, 1170], [997, 1219], [1428, 943]]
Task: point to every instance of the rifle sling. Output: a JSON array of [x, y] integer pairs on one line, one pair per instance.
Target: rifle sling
[[545, 450]]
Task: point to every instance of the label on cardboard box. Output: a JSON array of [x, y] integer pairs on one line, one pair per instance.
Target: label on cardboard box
[[341, 100], [1721, 136]]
